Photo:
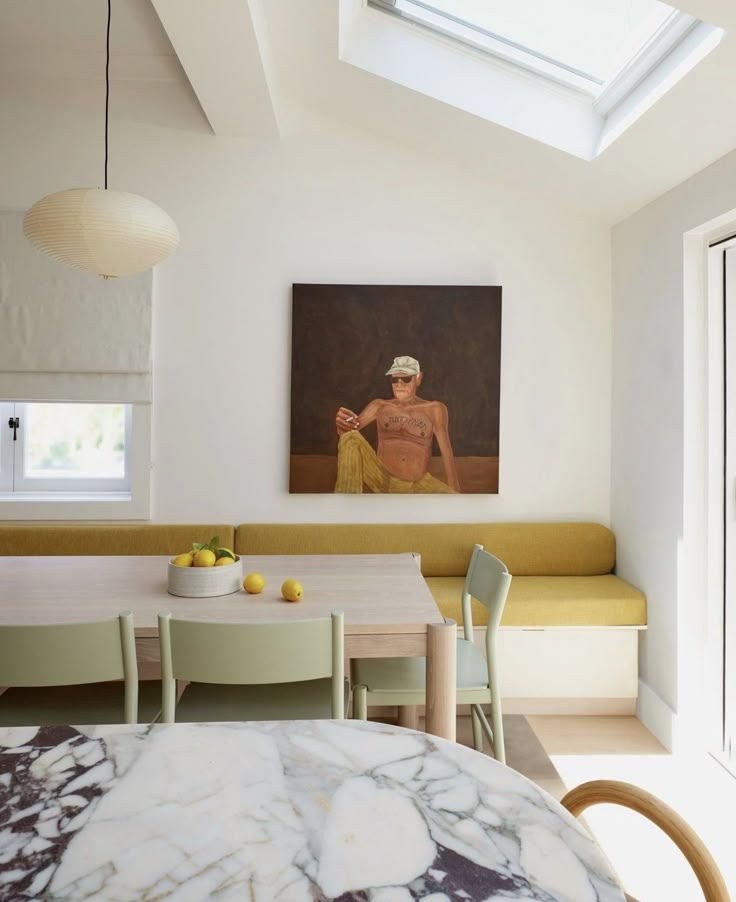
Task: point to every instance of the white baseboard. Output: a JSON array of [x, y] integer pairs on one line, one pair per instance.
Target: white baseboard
[[589, 706], [657, 716]]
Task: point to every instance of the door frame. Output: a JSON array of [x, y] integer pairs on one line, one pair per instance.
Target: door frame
[[728, 744], [720, 675]]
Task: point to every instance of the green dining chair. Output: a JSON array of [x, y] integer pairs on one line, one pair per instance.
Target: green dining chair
[[73, 673], [292, 670], [401, 681]]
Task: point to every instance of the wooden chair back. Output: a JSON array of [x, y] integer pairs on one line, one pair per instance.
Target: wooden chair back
[[667, 819]]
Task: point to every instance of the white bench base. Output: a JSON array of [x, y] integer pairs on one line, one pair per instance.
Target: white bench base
[[568, 670]]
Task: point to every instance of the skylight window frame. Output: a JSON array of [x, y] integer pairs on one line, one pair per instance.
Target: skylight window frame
[[606, 95], [676, 27], [492, 44], [514, 95]]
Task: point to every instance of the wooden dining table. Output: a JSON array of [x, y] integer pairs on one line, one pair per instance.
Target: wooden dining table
[[389, 610]]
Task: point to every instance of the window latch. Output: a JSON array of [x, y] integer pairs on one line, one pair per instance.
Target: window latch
[[14, 423]]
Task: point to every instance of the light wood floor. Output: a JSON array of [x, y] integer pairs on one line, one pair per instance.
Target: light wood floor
[[577, 735]]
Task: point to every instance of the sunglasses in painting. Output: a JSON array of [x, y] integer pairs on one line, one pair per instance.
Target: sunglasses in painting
[[395, 379]]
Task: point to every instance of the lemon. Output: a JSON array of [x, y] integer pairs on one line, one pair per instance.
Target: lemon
[[204, 558], [182, 560], [253, 583], [227, 551], [223, 561], [291, 590]]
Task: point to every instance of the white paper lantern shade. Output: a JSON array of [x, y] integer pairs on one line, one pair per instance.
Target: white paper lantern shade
[[107, 233]]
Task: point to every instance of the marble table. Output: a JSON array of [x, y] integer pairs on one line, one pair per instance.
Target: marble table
[[304, 810]]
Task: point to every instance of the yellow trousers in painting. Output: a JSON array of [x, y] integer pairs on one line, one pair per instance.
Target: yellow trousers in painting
[[358, 465]]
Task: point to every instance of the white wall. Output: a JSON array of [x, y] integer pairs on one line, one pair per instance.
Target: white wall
[[335, 206], [661, 470]]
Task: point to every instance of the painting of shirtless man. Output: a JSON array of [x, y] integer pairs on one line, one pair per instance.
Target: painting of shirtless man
[[395, 390], [407, 425]]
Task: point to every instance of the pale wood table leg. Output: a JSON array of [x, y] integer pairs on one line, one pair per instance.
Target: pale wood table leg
[[408, 716], [441, 678]]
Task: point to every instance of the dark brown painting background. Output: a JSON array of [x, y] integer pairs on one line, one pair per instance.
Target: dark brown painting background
[[344, 338]]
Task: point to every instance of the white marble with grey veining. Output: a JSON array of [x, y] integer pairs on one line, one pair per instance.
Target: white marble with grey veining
[[293, 811]]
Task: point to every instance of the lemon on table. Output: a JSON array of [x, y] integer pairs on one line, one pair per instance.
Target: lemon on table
[[182, 560], [204, 558], [223, 561], [292, 590], [254, 583]]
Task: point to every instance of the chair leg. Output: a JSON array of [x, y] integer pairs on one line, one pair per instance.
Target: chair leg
[[408, 716], [499, 748], [477, 730], [360, 702]]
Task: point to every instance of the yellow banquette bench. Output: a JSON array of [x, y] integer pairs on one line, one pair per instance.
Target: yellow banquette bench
[[108, 538], [563, 572], [569, 634]]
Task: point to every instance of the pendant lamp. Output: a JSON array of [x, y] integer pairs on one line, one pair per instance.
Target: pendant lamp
[[107, 233]]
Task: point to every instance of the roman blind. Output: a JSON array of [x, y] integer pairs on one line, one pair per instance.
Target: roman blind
[[67, 335]]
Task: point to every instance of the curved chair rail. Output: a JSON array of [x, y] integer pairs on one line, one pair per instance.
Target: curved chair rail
[[667, 819]]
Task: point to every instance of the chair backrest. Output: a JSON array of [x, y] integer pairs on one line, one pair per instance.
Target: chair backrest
[[69, 654], [667, 819], [251, 654], [488, 581]]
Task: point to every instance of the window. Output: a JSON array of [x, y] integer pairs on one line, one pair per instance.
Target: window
[[66, 448], [74, 460], [584, 42]]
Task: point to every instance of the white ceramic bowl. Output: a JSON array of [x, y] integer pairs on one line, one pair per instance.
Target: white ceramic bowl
[[203, 582]]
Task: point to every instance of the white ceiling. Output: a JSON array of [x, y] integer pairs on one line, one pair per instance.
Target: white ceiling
[[52, 53], [260, 67]]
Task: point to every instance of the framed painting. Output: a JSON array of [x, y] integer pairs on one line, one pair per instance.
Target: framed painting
[[395, 389]]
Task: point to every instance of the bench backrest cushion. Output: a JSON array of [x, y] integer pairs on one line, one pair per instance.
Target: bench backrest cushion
[[108, 538], [527, 549]]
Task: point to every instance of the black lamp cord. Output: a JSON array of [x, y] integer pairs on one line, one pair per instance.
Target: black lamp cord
[[107, 84]]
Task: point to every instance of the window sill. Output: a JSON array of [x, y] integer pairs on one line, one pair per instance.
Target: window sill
[[72, 506], [94, 497]]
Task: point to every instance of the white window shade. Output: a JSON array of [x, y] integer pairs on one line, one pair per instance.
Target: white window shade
[[66, 335]]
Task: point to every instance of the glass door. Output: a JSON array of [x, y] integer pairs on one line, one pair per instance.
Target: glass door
[[729, 606]]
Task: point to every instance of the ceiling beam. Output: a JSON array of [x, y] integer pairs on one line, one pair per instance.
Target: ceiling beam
[[222, 48]]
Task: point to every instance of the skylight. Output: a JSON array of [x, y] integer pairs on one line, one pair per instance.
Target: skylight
[[585, 43], [594, 38], [575, 74]]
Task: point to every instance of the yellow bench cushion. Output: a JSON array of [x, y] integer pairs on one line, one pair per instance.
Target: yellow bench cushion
[[108, 538], [527, 549], [552, 601]]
